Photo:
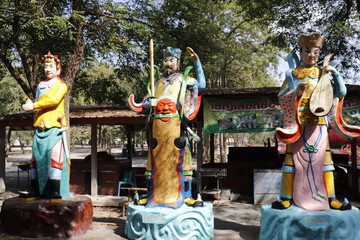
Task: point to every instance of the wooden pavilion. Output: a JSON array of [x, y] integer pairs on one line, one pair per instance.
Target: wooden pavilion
[[121, 115]]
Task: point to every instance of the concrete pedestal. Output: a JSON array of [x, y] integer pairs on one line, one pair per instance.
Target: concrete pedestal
[[42, 218], [296, 223], [166, 223]]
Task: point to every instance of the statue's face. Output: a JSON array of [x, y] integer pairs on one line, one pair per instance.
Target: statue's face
[[165, 106], [170, 65], [50, 70], [310, 55]]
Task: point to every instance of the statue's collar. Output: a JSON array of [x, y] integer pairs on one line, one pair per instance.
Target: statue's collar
[[306, 65], [170, 77]]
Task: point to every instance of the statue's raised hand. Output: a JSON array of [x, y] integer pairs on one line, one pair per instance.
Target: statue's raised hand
[[193, 56]]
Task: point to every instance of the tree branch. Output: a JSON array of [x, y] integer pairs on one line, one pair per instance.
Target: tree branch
[[78, 47], [237, 26], [101, 14], [16, 39], [15, 75]]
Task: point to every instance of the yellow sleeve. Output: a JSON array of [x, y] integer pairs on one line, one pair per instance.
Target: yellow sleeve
[[53, 97]]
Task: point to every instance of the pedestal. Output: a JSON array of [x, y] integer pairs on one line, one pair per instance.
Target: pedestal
[[165, 223], [42, 218], [296, 223]]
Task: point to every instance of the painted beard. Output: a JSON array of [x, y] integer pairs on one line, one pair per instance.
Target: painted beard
[[170, 71]]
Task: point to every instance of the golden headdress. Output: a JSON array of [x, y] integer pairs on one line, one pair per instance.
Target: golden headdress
[[311, 40], [49, 58]]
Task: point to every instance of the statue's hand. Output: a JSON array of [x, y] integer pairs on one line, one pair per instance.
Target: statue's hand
[[193, 56], [28, 106], [301, 88], [329, 68]]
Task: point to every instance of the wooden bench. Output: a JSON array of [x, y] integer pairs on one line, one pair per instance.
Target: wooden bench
[[131, 189]]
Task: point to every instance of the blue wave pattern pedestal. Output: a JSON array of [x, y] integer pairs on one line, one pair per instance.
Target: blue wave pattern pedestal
[[185, 223], [295, 223]]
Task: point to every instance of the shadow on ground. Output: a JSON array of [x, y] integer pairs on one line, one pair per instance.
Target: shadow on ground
[[244, 231], [119, 223]]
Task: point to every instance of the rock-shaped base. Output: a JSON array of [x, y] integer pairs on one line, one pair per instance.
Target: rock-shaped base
[[297, 223], [165, 223], [42, 218]]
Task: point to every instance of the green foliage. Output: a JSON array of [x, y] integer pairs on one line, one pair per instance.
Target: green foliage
[[230, 42], [80, 134], [337, 20], [24, 137], [99, 86], [108, 136], [11, 96], [75, 30], [231, 45]]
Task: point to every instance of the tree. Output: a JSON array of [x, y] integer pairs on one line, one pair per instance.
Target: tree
[[10, 96], [338, 20], [75, 30], [100, 85], [231, 44]]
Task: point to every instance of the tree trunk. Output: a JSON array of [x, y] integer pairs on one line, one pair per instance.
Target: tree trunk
[[75, 60], [212, 148], [8, 144], [223, 147]]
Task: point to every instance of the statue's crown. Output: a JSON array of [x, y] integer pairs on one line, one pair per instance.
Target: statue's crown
[[172, 52], [311, 40], [49, 58]]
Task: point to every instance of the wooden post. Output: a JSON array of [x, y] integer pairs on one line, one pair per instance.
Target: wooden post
[[130, 143], [2, 159], [94, 165], [199, 159], [354, 170]]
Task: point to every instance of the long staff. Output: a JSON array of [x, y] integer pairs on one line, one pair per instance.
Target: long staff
[[152, 80], [322, 96]]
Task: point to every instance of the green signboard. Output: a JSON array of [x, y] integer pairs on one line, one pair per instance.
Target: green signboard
[[257, 114]]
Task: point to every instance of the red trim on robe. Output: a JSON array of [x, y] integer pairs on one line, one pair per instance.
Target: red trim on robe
[[292, 137]]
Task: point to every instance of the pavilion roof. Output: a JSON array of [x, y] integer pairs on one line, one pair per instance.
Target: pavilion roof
[[83, 115], [122, 115]]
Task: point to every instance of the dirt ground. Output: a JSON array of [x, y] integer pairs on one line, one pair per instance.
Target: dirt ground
[[232, 221]]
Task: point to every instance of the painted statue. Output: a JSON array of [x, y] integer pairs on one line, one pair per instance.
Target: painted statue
[[48, 167], [311, 101], [176, 100]]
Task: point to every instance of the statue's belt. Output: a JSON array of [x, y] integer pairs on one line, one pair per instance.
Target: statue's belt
[[167, 115]]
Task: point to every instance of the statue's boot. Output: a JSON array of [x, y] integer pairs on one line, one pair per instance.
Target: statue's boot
[[333, 202], [33, 193], [286, 190], [283, 203], [188, 196], [55, 190], [193, 203], [143, 198], [337, 205]]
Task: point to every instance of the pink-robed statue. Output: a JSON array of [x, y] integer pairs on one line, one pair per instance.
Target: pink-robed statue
[[311, 101]]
